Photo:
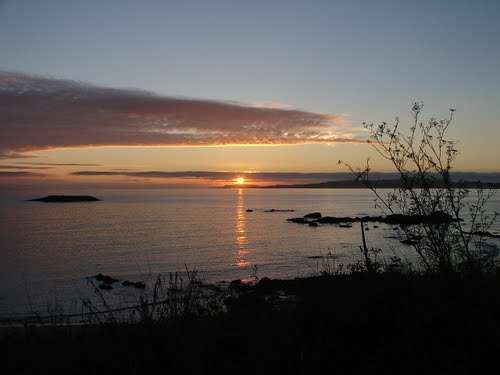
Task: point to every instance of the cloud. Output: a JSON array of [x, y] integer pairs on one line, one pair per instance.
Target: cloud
[[60, 164], [256, 177], [16, 174], [10, 154], [20, 167], [206, 175], [275, 105], [38, 113]]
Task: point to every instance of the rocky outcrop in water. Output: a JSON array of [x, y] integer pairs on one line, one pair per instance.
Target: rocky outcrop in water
[[313, 215], [135, 284], [65, 198], [437, 217], [105, 278], [107, 281]]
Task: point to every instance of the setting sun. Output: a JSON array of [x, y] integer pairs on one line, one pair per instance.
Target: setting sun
[[240, 180]]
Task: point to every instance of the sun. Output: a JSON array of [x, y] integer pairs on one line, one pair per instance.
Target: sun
[[240, 180]]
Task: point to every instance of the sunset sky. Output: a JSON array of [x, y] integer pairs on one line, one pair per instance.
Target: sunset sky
[[181, 93]]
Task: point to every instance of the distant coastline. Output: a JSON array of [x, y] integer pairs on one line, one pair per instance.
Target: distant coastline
[[381, 184]]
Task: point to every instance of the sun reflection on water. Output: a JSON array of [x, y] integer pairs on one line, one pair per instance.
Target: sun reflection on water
[[241, 239]]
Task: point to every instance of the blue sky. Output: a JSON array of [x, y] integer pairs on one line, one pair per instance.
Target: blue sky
[[368, 59]]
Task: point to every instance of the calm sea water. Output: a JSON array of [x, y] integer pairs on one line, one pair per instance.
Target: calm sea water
[[48, 250]]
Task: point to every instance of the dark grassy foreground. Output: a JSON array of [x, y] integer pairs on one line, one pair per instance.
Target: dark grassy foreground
[[346, 324]]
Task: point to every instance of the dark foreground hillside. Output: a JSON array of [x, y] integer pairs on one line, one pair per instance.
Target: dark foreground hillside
[[348, 324]]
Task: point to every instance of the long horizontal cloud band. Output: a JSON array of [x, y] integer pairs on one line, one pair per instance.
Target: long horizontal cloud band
[[41, 113], [295, 177]]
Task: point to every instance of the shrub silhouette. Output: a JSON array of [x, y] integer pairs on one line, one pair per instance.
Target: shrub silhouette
[[423, 158]]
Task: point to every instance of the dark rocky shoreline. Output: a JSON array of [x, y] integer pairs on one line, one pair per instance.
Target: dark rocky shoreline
[[387, 323]]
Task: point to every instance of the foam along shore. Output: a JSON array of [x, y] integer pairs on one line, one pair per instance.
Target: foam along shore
[[65, 198]]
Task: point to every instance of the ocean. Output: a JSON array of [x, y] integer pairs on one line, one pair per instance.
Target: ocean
[[48, 250]]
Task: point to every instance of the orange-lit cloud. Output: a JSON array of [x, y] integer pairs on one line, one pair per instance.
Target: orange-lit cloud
[[275, 105], [20, 167], [10, 154], [47, 165], [39, 113]]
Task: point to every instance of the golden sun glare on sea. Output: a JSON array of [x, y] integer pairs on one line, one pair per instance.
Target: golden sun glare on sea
[[240, 180]]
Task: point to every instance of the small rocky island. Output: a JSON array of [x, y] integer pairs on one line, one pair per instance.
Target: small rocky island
[[65, 198]]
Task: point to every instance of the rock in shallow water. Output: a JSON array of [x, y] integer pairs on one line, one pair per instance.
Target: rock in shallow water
[[313, 215], [65, 198], [135, 284], [105, 278]]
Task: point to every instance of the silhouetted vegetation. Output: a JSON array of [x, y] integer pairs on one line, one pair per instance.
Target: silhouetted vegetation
[[423, 157]]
